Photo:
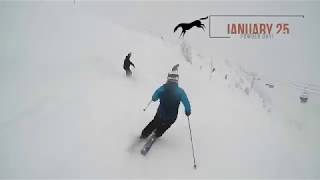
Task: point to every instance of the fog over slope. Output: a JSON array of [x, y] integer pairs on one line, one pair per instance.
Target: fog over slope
[[68, 111]]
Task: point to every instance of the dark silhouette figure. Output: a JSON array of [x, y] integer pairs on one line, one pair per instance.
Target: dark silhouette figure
[[187, 26], [126, 65]]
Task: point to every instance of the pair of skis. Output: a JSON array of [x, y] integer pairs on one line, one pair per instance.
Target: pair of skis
[[147, 146]]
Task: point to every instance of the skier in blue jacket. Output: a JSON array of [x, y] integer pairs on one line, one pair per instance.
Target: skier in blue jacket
[[170, 95]]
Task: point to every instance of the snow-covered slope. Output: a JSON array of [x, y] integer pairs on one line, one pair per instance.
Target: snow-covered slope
[[67, 109]]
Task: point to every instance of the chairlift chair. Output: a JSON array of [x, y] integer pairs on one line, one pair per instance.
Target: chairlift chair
[[304, 97]]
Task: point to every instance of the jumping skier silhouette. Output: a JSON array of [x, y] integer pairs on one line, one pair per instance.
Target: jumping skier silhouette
[[187, 26]]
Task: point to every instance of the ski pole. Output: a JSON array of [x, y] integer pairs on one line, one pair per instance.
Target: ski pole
[[194, 159], [144, 109]]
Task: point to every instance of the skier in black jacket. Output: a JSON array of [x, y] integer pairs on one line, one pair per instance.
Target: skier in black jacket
[[126, 65]]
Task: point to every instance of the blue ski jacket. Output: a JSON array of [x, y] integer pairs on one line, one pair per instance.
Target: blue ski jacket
[[170, 95]]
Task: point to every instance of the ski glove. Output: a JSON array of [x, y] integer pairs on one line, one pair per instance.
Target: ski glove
[[188, 113]]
